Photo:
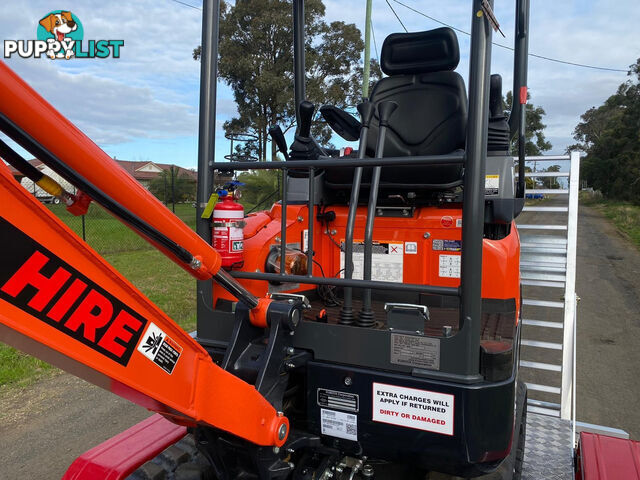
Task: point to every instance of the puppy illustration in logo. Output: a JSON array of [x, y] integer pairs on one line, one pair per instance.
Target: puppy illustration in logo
[[59, 25]]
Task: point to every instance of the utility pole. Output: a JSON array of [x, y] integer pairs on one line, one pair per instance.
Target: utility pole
[[367, 52]]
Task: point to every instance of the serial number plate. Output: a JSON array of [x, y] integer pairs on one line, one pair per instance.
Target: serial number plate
[[415, 351]]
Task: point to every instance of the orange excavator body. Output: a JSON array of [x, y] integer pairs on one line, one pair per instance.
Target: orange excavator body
[[433, 230]]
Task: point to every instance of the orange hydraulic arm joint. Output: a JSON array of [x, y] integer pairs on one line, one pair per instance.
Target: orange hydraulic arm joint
[[61, 302]]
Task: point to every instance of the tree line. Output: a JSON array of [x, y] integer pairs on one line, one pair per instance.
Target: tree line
[[256, 62], [610, 137]]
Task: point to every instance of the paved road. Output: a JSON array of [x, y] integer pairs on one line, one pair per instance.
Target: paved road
[[43, 429]]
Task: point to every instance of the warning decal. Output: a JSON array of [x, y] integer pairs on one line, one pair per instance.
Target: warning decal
[[492, 185], [386, 264], [339, 424], [449, 266], [413, 408], [160, 348]]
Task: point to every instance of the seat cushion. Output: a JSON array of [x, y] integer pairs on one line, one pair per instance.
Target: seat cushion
[[430, 120]]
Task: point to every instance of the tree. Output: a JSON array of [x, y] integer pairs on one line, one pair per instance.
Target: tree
[[551, 182], [256, 61], [172, 186], [534, 128], [530, 183], [261, 189], [610, 137]]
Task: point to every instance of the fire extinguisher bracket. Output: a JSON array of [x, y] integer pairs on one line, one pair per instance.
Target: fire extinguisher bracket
[[240, 224]]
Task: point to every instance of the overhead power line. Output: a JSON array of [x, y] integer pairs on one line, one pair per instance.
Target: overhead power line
[[464, 32], [542, 57], [187, 5], [394, 12], [375, 44]]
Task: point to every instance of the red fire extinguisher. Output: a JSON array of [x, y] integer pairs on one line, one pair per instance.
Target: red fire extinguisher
[[228, 225]]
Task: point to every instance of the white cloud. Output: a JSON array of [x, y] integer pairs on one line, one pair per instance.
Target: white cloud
[[107, 111], [152, 90], [602, 33]]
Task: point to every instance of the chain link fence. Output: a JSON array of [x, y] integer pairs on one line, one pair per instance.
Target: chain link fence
[[106, 234]]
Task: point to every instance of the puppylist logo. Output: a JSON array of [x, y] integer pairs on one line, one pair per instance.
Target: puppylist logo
[[60, 36]]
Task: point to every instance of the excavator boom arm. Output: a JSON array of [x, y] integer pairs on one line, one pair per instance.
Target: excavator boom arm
[[60, 301]]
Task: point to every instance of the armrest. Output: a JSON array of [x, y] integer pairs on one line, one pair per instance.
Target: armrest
[[341, 122]]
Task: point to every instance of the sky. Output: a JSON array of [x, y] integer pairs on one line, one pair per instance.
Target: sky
[[144, 105]]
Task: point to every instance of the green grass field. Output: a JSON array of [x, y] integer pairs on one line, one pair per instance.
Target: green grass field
[[162, 281], [625, 216]]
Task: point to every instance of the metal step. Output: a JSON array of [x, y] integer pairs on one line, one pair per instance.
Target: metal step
[[549, 191], [541, 283], [541, 323], [542, 303], [533, 258], [533, 248], [542, 276], [541, 366], [538, 344], [543, 411], [543, 388], [529, 226], [531, 208], [543, 158], [542, 267], [544, 174], [543, 239], [540, 403]]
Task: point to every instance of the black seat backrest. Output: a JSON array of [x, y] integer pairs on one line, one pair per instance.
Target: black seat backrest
[[431, 117], [432, 101]]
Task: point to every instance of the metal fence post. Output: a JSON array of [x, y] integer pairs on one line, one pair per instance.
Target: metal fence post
[[569, 289], [173, 191], [164, 196]]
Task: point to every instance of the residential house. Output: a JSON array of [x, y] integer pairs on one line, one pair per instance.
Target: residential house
[[144, 172]]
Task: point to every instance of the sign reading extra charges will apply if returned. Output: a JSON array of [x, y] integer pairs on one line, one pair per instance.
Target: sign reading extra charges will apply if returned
[[413, 408]]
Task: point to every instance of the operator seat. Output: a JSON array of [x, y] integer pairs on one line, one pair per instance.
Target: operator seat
[[431, 117]]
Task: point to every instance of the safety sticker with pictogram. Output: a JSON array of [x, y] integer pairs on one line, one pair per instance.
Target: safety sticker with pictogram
[[386, 263], [161, 349]]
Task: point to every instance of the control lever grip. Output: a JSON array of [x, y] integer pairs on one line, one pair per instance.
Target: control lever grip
[[277, 136], [366, 110], [306, 114], [385, 110]]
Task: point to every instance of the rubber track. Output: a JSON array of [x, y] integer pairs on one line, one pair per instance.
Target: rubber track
[[180, 461]]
